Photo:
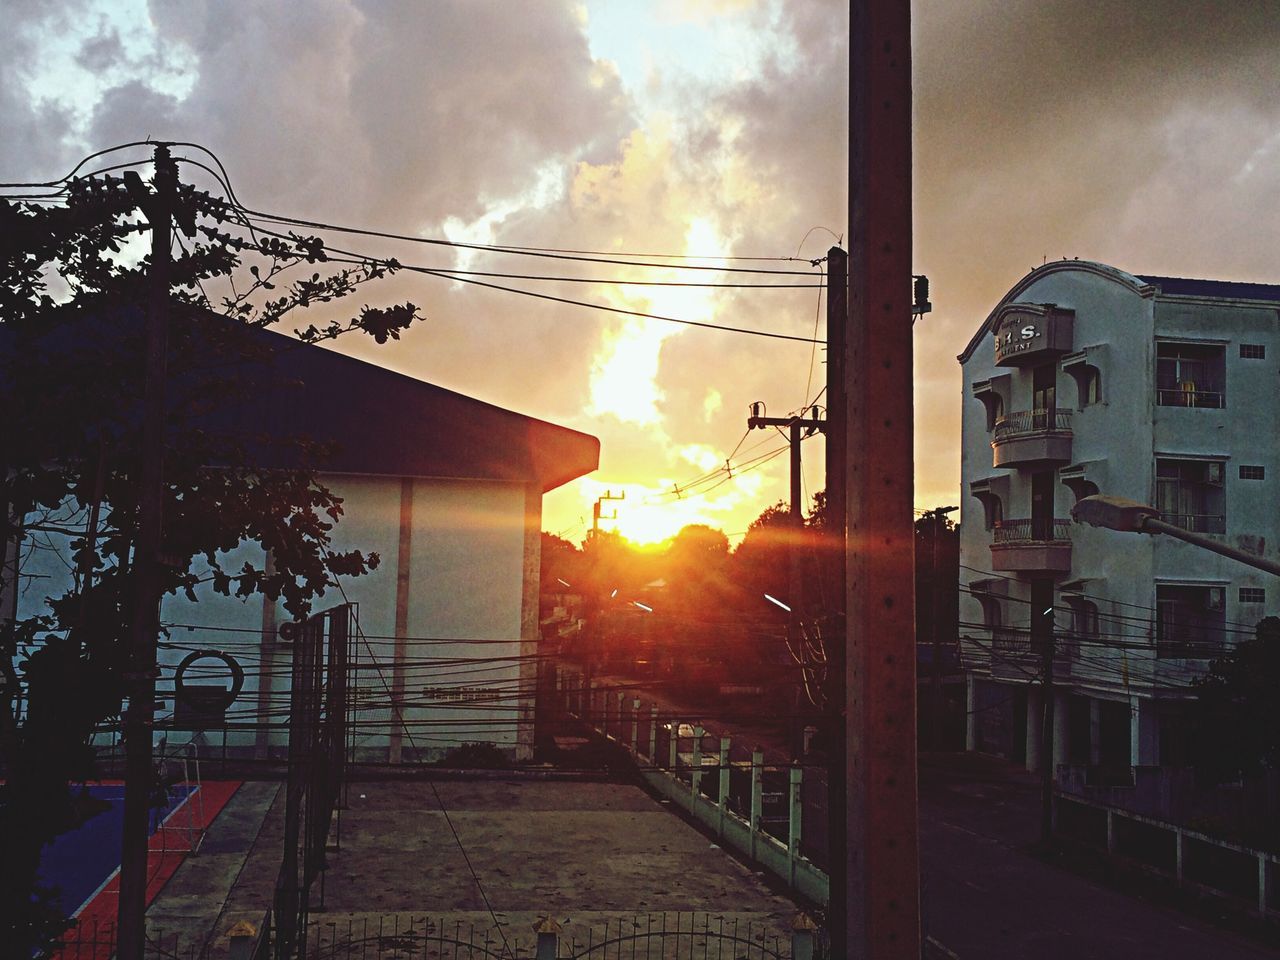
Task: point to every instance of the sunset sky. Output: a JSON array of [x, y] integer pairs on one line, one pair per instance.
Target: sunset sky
[[1145, 135]]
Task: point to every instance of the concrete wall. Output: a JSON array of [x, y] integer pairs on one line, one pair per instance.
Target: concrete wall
[[451, 607]]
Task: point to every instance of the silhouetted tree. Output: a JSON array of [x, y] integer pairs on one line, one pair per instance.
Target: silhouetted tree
[[1235, 718], [71, 385]]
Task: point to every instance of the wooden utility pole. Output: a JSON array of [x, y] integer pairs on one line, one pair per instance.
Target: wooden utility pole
[[144, 623], [881, 903], [798, 427]]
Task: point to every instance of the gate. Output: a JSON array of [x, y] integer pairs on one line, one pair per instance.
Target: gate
[[320, 741]]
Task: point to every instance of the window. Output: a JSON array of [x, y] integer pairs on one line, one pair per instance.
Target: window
[[1090, 387], [1189, 494], [1190, 375], [1189, 621], [1253, 351], [1248, 472], [1084, 617], [1253, 595], [1044, 397], [1003, 639]]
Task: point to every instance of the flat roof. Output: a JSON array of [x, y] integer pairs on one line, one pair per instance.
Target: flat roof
[[1215, 289]]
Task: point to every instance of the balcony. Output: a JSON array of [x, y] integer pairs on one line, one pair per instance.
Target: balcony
[[1029, 334], [1012, 654], [1032, 437], [1032, 546]]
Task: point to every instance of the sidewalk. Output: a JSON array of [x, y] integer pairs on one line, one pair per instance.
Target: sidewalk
[[187, 909], [986, 895]]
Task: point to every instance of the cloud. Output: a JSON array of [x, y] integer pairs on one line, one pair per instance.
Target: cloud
[[1141, 134]]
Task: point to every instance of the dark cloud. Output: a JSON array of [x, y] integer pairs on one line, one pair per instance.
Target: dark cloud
[[101, 51], [1144, 134]]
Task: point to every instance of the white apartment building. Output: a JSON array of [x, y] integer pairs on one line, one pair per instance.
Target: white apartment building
[[1085, 379]]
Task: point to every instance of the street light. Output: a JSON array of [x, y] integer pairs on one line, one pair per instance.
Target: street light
[[1130, 516]]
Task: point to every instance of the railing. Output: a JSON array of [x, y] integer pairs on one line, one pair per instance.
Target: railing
[[1026, 422], [1032, 530], [1188, 857], [1190, 394], [754, 808]]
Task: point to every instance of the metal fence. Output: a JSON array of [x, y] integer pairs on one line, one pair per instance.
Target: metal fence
[[320, 746], [654, 936], [96, 940]]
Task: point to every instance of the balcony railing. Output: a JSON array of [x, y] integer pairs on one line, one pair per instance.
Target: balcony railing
[[1032, 530], [1028, 422], [1188, 393]]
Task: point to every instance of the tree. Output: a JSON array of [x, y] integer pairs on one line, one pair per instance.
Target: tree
[[1235, 718], [71, 388]]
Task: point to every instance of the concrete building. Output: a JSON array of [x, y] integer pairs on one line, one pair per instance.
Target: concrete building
[[447, 490], [1085, 379]]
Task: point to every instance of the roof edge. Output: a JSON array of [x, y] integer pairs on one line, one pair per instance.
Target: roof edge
[[1106, 271]]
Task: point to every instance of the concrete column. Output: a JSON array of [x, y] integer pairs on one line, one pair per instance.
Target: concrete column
[[794, 822], [971, 713], [757, 800], [1035, 723], [404, 580], [802, 939], [635, 727], [1060, 730], [653, 734], [722, 800], [695, 778], [1095, 731], [1144, 735]]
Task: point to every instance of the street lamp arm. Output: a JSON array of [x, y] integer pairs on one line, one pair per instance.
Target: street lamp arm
[[1130, 516]]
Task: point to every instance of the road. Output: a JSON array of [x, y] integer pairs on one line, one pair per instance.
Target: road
[[985, 894]]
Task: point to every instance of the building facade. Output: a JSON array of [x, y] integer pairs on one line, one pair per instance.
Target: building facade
[[445, 488], [1085, 379]]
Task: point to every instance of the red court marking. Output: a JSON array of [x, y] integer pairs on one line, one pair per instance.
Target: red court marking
[[92, 936]]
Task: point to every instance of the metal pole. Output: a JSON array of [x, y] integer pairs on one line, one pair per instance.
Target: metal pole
[[882, 902], [140, 679], [1155, 525]]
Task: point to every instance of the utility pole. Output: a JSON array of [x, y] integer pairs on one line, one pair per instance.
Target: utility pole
[[797, 429], [879, 915], [140, 679], [834, 638], [937, 517], [593, 612], [595, 510]]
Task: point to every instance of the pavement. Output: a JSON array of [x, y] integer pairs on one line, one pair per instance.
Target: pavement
[[591, 855], [986, 894], [187, 910]]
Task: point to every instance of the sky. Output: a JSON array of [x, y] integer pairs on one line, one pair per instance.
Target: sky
[[1142, 135]]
